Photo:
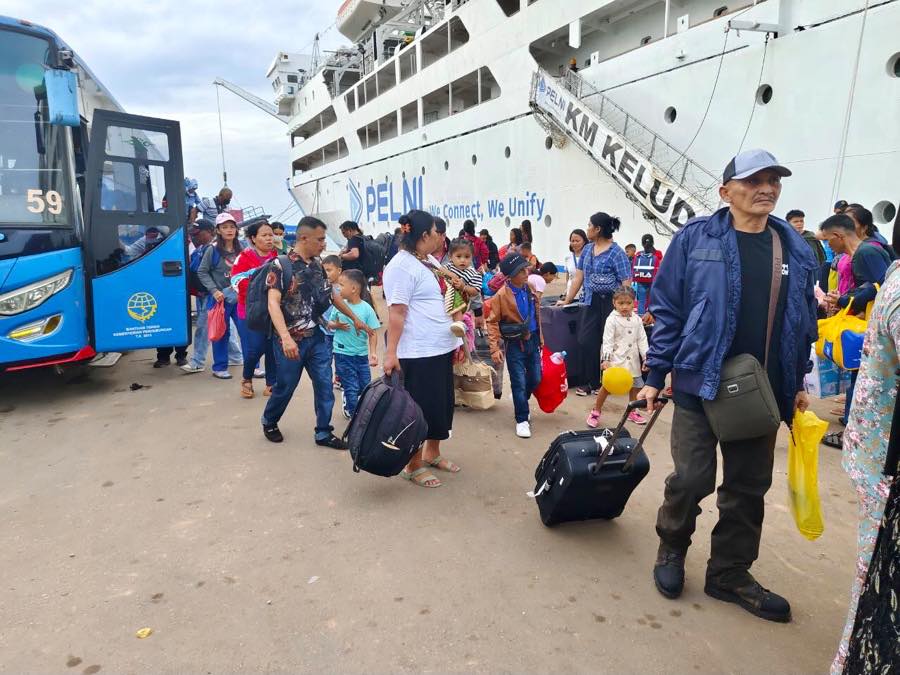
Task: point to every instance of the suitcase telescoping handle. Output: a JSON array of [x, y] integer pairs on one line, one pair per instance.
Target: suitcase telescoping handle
[[633, 405]]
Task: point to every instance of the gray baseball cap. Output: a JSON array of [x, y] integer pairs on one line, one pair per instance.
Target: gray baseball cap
[[750, 162]]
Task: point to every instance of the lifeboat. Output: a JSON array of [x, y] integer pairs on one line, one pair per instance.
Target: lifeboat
[[357, 17]]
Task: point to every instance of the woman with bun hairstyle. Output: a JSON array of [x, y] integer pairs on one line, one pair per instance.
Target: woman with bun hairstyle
[[419, 342], [601, 269]]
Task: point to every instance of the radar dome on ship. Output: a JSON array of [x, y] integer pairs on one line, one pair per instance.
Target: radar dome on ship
[[356, 17]]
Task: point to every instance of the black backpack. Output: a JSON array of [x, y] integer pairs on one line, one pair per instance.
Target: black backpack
[[387, 429], [372, 257], [258, 294]]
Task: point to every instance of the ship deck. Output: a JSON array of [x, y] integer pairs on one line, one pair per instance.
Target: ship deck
[[165, 508]]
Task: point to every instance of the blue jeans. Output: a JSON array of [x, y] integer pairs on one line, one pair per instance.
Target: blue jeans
[[315, 356], [642, 291], [355, 375], [850, 390], [201, 338], [523, 361], [254, 345], [220, 347]]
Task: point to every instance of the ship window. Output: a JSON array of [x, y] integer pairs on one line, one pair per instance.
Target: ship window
[[764, 94], [720, 11], [507, 152], [893, 66], [509, 7], [387, 127], [436, 105], [884, 212], [507, 221], [489, 88], [292, 79], [670, 114], [370, 88], [548, 221], [464, 93], [443, 40], [350, 99], [407, 65], [646, 40], [458, 35], [409, 117], [423, 170], [446, 165], [387, 78], [474, 160], [548, 142]]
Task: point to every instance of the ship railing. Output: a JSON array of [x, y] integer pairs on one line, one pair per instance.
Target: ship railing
[[701, 183]]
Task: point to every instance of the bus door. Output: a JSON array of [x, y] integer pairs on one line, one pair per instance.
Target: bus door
[[135, 240]]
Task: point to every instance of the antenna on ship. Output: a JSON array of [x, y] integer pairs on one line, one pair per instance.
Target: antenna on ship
[[316, 55], [221, 139]]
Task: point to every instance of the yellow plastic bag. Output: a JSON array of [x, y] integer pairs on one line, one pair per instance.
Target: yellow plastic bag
[[803, 468]]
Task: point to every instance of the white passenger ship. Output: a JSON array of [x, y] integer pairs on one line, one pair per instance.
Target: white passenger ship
[[470, 109]]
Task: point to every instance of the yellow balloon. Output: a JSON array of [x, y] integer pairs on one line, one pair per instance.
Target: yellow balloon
[[617, 381]]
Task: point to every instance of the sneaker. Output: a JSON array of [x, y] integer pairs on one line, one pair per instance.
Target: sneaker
[[582, 391], [161, 363], [747, 593], [458, 328], [523, 430], [273, 433], [593, 419], [668, 572], [332, 442], [181, 363], [191, 368], [636, 417], [222, 374], [259, 373], [347, 414], [235, 363]]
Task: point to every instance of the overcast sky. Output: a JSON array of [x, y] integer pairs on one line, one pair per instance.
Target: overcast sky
[[159, 59]]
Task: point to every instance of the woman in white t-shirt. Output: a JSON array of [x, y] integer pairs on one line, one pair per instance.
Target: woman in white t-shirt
[[419, 340], [577, 241]]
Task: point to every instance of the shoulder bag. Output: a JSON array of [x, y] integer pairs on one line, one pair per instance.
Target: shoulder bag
[[745, 405]]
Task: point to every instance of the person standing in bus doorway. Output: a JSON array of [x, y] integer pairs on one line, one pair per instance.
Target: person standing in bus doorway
[[192, 203], [212, 207], [644, 267]]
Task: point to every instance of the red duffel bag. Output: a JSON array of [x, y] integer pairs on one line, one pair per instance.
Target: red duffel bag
[[554, 387]]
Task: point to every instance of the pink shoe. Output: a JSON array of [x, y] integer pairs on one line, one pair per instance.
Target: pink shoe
[[636, 417], [593, 419]]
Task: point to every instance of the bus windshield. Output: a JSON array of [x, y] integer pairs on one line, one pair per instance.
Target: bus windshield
[[35, 175]]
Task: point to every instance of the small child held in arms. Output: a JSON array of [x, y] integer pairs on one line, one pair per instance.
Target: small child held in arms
[[332, 266], [354, 351], [625, 346], [464, 283]]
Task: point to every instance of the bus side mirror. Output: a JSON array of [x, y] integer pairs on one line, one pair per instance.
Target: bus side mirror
[[62, 97]]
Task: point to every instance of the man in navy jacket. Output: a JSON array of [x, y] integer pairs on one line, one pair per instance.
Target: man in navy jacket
[[710, 302]]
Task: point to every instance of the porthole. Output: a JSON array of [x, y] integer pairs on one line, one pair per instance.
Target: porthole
[[764, 94], [507, 221], [387, 180], [446, 166], [548, 142], [720, 11], [646, 40], [548, 221], [670, 114], [507, 152], [371, 182], [474, 160], [893, 65], [358, 185], [404, 175], [423, 170], [884, 212]]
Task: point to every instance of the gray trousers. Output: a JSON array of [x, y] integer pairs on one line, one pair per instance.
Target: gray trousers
[[747, 476]]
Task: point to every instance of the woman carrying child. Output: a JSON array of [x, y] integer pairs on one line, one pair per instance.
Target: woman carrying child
[[354, 352], [624, 346]]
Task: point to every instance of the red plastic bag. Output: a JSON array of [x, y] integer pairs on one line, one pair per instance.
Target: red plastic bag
[[215, 322], [554, 386]]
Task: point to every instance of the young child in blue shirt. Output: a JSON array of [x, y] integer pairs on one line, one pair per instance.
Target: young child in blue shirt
[[332, 267], [354, 351]]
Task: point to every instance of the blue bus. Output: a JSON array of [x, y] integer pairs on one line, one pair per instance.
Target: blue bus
[[93, 252]]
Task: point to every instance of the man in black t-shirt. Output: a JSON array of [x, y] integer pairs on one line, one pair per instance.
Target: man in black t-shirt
[[711, 301], [352, 254]]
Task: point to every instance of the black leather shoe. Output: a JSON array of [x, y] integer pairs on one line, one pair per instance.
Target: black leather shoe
[[273, 433], [668, 573], [332, 442], [747, 593], [161, 363]]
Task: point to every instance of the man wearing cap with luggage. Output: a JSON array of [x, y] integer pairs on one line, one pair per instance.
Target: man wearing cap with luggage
[[738, 282]]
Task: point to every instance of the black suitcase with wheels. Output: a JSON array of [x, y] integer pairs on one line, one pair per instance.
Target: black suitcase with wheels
[[591, 474], [560, 327]]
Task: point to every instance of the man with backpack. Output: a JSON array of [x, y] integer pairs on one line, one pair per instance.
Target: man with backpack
[[298, 295], [644, 267]]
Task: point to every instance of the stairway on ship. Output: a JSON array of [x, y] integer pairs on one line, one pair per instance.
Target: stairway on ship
[[669, 186]]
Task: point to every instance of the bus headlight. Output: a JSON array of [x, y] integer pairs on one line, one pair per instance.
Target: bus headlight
[[36, 329], [29, 297]]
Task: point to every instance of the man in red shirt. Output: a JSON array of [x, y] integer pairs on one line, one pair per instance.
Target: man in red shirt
[[644, 267]]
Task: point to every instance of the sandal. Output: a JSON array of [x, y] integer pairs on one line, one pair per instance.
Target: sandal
[[268, 390], [837, 412], [421, 477], [246, 388], [447, 466], [834, 439]]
